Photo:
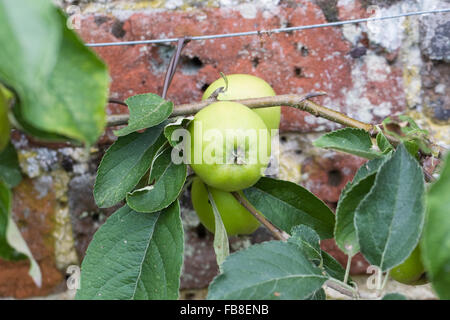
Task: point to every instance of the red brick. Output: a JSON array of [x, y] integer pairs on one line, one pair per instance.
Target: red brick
[[34, 216]]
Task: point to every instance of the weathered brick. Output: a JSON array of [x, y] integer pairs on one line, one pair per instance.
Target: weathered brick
[[34, 215], [296, 62]]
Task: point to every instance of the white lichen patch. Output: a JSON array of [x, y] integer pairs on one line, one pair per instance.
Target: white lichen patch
[[173, 4], [240, 243], [411, 58], [372, 68], [378, 69], [65, 253], [352, 33], [294, 149], [60, 179], [248, 10], [349, 4], [34, 162], [383, 109], [386, 33], [43, 185]]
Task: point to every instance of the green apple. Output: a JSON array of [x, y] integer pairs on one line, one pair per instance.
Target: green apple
[[246, 86], [236, 219], [411, 271], [229, 146]]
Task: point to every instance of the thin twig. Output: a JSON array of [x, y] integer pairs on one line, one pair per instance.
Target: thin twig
[[173, 64], [332, 115], [297, 101], [117, 101], [300, 102], [117, 120], [279, 234]]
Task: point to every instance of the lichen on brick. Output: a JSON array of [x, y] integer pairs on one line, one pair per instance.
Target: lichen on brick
[[34, 162], [65, 253]]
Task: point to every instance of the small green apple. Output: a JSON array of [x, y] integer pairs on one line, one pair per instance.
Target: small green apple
[[236, 219], [411, 271], [230, 146], [246, 86]]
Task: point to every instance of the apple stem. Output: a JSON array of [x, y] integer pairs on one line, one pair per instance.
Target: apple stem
[[279, 234], [386, 278], [347, 269]]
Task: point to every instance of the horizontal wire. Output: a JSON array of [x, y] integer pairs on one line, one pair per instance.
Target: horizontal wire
[[260, 32]]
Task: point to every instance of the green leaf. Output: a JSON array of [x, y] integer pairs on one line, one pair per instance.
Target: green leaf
[[435, 244], [7, 94], [287, 205], [383, 143], [42, 135], [394, 296], [179, 123], [221, 245], [345, 232], [124, 164], [351, 196], [159, 163], [406, 130], [271, 270], [9, 166], [12, 246], [369, 168], [134, 256], [33, 32], [349, 140], [170, 179], [146, 110], [390, 218], [41, 53], [6, 251], [4, 121], [318, 295], [309, 243], [413, 148], [76, 104], [332, 267]]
